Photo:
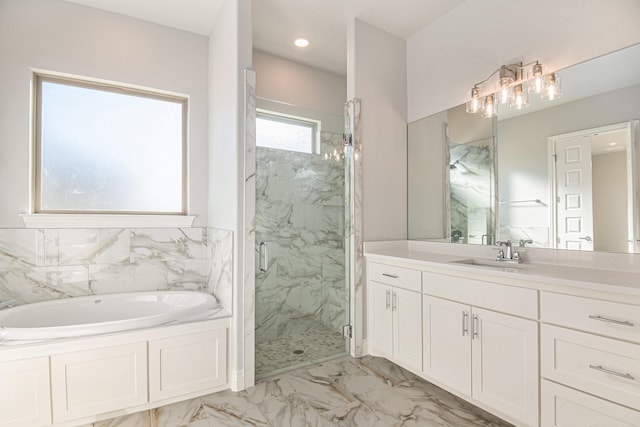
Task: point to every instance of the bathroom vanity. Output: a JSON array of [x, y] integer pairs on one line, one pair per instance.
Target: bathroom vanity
[[549, 342]]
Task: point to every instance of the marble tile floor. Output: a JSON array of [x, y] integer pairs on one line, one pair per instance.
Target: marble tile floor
[[298, 350], [368, 392]]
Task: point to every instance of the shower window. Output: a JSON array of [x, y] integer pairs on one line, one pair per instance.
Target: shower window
[[286, 133], [103, 148]]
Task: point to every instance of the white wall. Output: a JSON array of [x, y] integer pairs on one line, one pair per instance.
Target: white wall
[[523, 147], [64, 37], [610, 223], [229, 56], [463, 47], [377, 76], [298, 84]]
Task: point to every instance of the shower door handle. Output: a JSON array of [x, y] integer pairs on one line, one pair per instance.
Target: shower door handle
[[264, 257]]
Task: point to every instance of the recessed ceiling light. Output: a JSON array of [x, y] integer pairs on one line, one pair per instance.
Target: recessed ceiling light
[[301, 42]]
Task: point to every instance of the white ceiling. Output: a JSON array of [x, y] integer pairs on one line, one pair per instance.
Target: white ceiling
[[277, 22]]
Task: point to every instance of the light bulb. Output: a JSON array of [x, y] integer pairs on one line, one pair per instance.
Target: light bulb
[[536, 81], [301, 42], [519, 98], [504, 90], [474, 104], [490, 107], [552, 87]]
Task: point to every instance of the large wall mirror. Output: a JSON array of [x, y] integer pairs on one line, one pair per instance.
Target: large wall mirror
[[559, 174]]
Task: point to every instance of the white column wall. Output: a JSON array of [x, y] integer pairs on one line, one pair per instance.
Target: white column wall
[[229, 55], [377, 76]]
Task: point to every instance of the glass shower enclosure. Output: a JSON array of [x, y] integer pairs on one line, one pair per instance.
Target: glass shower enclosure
[[302, 202]]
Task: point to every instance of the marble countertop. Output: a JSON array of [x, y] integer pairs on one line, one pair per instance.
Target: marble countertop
[[532, 274]]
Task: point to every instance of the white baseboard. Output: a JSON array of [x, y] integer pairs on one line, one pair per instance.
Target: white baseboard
[[236, 382]]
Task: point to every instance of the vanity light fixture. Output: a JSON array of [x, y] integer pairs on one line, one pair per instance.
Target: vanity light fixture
[[512, 84], [301, 42]]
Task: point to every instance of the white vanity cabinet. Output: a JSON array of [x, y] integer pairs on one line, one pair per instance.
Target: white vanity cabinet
[[395, 314], [590, 351], [488, 356]]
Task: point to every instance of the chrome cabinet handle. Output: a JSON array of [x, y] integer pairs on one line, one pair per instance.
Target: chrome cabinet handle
[[394, 302], [588, 238], [610, 372], [474, 327], [393, 276], [606, 319], [388, 298], [264, 257], [465, 323]]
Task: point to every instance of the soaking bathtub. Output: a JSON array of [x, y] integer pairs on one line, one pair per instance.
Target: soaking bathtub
[[102, 314]]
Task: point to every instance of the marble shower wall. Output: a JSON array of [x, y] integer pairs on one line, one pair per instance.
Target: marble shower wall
[[300, 216], [470, 191], [44, 264]]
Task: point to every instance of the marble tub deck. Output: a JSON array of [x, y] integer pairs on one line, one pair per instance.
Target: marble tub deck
[[368, 392]]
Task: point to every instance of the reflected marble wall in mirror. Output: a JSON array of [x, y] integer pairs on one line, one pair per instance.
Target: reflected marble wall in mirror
[[567, 170]]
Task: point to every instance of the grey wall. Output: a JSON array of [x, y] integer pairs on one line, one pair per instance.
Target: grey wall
[[54, 35], [523, 147]]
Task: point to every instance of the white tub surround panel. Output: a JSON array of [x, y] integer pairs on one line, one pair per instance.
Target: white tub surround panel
[[136, 370], [220, 254], [480, 328]]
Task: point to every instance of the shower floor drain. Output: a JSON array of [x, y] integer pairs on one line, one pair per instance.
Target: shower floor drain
[[298, 351]]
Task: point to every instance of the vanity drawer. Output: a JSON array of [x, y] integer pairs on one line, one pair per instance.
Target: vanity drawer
[[612, 319], [506, 299], [566, 407], [396, 276], [601, 366]]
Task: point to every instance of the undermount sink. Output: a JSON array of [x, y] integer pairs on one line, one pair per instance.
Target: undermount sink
[[487, 263]]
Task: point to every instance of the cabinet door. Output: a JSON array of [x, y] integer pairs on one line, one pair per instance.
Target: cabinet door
[[407, 318], [91, 382], [505, 364], [447, 343], [24, 393], [381, 320], [186, 364]]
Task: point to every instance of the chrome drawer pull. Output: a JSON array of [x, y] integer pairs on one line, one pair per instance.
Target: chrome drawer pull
[[605, 319], [390, 275], [609, 371]]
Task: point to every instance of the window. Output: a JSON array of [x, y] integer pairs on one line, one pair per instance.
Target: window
[[107, 149], [286, 133]]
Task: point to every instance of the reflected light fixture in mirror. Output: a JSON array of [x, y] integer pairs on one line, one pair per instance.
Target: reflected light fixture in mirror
[[512, 84]]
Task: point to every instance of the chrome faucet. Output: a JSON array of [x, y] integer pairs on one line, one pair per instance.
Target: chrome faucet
[[507, 254], [7, 304]]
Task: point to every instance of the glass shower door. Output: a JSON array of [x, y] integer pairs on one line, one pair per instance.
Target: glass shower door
[[302, 289]]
